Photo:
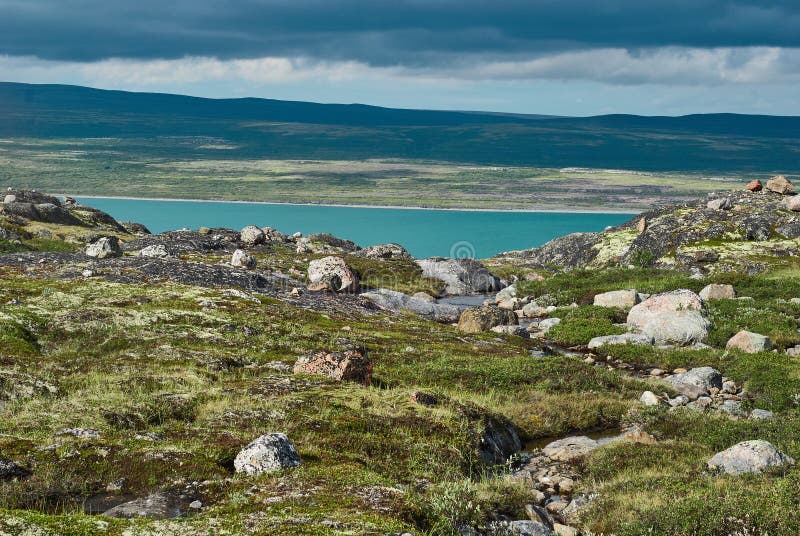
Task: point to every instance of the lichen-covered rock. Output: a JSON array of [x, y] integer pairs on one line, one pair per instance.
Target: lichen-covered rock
[[753, 456], [485, 318], [327, 243], [462, 276], [520, 528], [397, 301], [242, 259], [677, 328], [617, 298], [251, 236], [266, 454], [384, 251], [348, 364], [749, 342], [332, 273], [717, 292], [676, 300], [104, 247], [274, 236]]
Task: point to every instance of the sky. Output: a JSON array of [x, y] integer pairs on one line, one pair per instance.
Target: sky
[[560, 57]]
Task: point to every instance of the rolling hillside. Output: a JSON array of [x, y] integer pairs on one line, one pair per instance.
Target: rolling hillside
[[262, 128]]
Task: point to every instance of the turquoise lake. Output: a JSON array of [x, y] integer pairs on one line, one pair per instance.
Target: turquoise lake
[[424, 233]]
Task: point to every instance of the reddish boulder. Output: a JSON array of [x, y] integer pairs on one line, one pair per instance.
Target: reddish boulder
[[350, 364], [754, 186]]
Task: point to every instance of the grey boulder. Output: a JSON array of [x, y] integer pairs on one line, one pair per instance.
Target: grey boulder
[[677, 328], [749, 457], [267, 454], [462, 276]]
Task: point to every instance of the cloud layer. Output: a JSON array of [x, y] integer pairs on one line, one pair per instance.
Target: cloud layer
[[400, 32]]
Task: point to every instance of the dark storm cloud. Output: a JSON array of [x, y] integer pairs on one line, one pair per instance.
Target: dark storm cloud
[[406, 32]]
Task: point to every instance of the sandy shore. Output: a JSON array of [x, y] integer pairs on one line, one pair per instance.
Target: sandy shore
[[546, 208]]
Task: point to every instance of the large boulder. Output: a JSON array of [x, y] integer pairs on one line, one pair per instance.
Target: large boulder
[[696, 382], [752, 456], [267, 454], [104, 247], [569, 448], [677, 328], [350, 363], [397, 301], [384, 251], [717, 292], [780, 185], [623, 299], [484, 319], [676, 300], [332, 273], [749, 342], [462, 276], [156, 251], [252, 235]]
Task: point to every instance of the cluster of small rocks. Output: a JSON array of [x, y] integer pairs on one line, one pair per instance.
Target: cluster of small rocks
[[703, 389]]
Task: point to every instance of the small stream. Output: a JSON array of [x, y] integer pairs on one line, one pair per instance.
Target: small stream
[[601, 436]]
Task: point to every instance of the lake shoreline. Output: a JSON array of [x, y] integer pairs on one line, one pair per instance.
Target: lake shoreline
[[560, 210]]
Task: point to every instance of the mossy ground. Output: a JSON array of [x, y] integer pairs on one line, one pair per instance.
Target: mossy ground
[[210, 372]]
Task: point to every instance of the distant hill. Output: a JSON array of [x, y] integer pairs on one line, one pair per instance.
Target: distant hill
[[264, 128]]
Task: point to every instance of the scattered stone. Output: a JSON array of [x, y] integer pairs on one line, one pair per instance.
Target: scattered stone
[[676, 300], [332, 273], [80, 433], [425, 399], [762, 414], [104, 247], [424, 296], [510, 330], [677, 328], [639, 437], [266, 454], [717, 292], [242, 259], [195, 505], [696, 382], [754, 185], [569, 448], [723, 203], [384, 251], [350, 364], [397, 301], [252, 235], [519, 528], [507, 293], [546, 325], [780, 185], [680, 400], [732, 408], [749, 457], [641, 225], [657, 372], [158, 251], [617, 298], [274, 236], [649, 398], [485, 318], [792, 203], [749, 342], [564, 530], [625, 338], [10, 198]]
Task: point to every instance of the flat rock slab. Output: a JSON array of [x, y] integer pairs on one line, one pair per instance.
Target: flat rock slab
[[154, 506], [569, 448], [625, 338]]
